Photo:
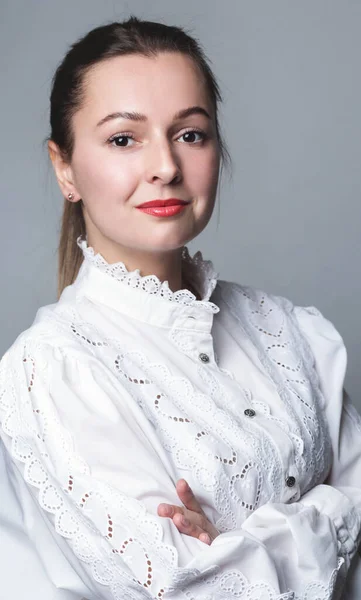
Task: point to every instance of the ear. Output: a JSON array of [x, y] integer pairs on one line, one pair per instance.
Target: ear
[[63, 172]]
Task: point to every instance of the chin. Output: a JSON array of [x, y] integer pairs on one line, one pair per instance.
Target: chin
[[169, 243]]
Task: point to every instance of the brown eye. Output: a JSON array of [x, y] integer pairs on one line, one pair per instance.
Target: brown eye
[[191, 136], [120, 141]]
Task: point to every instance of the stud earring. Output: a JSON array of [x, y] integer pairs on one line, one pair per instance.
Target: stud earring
[[70, 196]]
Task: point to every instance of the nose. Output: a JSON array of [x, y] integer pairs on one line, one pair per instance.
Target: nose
[[162, 163]]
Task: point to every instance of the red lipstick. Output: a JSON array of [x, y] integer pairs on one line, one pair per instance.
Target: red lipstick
[[163, 208]]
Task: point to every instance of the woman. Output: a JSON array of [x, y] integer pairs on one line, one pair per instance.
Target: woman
[[152, 390]]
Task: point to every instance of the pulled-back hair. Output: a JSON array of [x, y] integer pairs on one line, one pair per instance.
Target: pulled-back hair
[[133, 36]]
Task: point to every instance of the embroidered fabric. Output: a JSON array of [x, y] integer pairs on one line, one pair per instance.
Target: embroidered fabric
[[348, 535], [286, 356], [101, 523], [233, 584], [202, 437], [45, 449], [42, 444], [198, 271]]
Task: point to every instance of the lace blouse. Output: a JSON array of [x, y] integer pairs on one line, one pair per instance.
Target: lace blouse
[[123, 387]]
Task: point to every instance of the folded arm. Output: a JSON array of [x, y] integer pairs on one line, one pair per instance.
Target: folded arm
[[282, 551]]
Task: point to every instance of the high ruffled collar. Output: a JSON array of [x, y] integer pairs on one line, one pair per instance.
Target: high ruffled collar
[[200, 273]]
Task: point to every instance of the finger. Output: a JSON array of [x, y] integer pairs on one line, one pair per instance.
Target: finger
[[188, 527], [187, 497], [200, 521], [204, 537], [169, 510]]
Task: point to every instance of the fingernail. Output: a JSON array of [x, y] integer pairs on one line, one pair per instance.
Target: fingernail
[[165, 508]]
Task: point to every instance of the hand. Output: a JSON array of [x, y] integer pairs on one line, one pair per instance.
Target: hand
[[190, 519]]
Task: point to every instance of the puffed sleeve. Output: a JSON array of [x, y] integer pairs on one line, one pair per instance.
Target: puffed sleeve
[[344, 422], [113, 544]]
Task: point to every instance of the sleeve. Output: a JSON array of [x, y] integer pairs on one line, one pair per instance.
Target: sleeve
[[112, 539], [344, 422], [341, 493], [32, 563]]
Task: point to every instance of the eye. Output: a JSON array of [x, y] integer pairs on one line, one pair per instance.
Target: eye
[[120, 140], [191, 134]]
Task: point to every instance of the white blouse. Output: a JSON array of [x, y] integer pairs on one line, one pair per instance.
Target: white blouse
[[123, 387]]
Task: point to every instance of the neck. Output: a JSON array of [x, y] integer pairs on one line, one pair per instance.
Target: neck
[[167, 266]]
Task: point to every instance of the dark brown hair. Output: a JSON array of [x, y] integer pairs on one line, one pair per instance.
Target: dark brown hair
[[133, 36]]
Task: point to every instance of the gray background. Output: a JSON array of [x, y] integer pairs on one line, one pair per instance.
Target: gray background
[[290, 219]]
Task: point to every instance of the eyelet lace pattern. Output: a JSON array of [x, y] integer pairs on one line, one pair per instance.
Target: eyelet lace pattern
[[287, 358], [197, 270], [101, 523]]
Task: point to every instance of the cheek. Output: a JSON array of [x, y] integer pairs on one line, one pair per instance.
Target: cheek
[[100, 177], [203, 172]]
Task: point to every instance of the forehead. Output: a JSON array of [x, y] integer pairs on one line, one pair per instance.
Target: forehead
[[164, 83]]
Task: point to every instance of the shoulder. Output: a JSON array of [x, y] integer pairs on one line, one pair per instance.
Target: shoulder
[[272, 314], [251, 297], [51, 333], [45, 362], [308, 318]]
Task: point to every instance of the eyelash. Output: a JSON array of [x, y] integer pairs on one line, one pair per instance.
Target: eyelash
[[129, 135]]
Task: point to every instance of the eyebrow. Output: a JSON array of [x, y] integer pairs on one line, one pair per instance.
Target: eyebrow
[[135, 116]]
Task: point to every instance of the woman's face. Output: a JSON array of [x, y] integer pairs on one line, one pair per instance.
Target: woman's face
[[122, 161]]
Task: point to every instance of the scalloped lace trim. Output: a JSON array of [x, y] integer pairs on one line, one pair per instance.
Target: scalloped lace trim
[[28, 429], [199, 272]]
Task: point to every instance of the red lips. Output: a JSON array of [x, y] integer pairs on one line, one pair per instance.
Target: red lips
[[169, 202]]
